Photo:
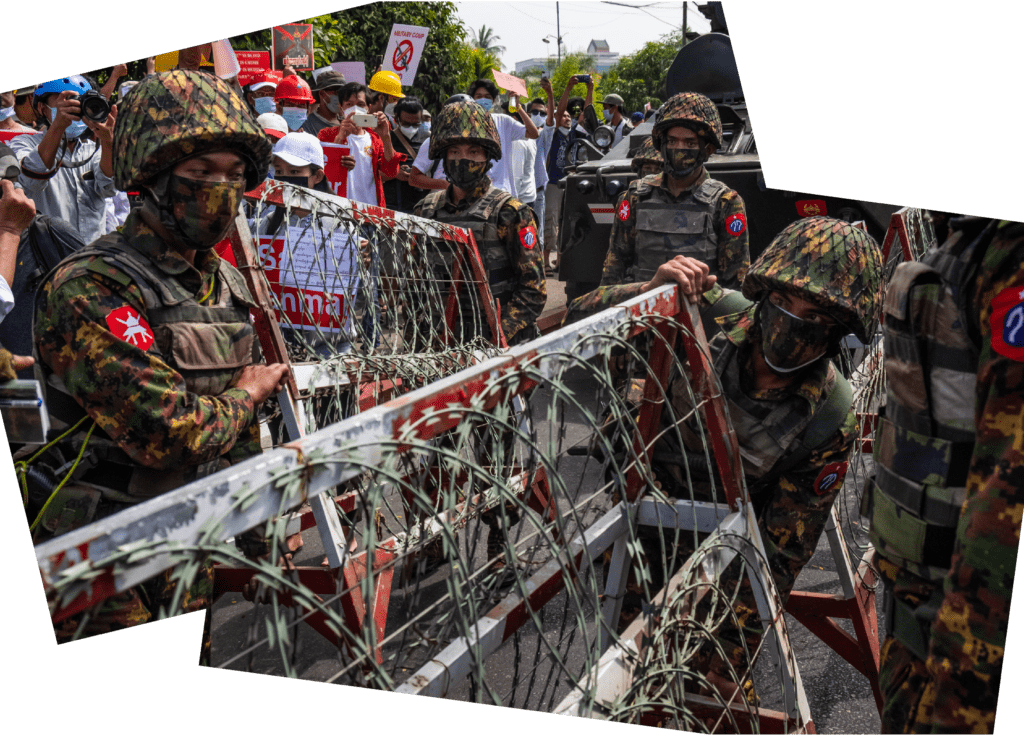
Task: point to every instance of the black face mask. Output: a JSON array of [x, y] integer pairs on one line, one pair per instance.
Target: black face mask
[[299, 181], [681, 162], [464, 173], [789, 343]]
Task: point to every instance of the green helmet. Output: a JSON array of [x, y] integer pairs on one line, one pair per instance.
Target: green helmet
[[693, 110], [172, 116], [828, 262], [464, 122], [646, 154]]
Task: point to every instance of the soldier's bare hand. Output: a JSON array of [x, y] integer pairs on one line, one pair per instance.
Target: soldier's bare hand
[[262, 381], [16, 209], [691, 275], [21, 362]]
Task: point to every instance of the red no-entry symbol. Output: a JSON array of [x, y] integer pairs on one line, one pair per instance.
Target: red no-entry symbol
[[402, 56]]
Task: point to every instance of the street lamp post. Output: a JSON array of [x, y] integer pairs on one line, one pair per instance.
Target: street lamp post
[[558, 38]]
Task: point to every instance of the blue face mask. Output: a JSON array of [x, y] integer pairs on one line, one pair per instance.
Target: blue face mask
[[607, 115], [72, 131], [294, 116], [264, 105], [485, 103], [425, 125]]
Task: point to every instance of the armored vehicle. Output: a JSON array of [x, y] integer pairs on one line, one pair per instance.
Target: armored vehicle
[[598, 175]]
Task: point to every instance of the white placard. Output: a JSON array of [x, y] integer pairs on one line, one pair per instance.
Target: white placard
[[405, 47], [353, 71]]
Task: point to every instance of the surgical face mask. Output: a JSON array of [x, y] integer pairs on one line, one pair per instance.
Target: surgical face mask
[[565, 129], [355, 110], [294, 116], [264, 105], [409, 130], [425, 125], [389, 109], [299, 181], [333, 104], [538, 119], [6, 112], [681, 162], [199, 214], [72, 131], [607, 115], [485, 103], [465, 174], [788, 342]]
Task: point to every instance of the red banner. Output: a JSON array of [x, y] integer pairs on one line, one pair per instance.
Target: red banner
[[6, 135], [302, 308], [337, 175], [252, 63]]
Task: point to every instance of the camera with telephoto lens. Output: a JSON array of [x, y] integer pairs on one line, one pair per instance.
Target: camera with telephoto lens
[[95, 106]]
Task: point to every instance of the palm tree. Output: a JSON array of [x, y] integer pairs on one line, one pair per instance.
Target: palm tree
[[482, 62], [485, 39]]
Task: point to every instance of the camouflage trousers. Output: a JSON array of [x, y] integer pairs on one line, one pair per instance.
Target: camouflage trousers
[[141, 604]]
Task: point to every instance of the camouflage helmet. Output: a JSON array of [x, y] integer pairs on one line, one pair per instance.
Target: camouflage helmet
[[172, 116], [464, 122], [693, 110], [828, 262], [646, 154]]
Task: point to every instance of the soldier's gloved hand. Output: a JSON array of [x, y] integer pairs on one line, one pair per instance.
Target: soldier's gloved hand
[[262, 381], [691, 275]]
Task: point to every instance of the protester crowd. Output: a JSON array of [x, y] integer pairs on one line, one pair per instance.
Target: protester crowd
[[71, 180]]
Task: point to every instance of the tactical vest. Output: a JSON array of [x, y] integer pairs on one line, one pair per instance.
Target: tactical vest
[[926, 432], [481, 218], [206, 344], [773, 436], [666, 229]]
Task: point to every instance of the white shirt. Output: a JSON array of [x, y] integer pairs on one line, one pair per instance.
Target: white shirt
[[540, 164], [618, 132], [6, 299], [524, 154], [509, 131], [361, 186]]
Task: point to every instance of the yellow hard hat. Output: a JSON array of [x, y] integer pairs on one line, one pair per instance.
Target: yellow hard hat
[[387, 83]]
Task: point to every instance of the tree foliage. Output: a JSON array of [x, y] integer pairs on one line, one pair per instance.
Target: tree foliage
[[640, 77], [486, 40], [361, 34]]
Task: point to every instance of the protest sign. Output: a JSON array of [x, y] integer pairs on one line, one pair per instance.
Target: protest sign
[[353, 71], [336, 174], [252, 63], [293, 44], [510, 83], [314, 276], [405, 47]]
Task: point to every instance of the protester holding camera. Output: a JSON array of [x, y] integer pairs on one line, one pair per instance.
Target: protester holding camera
[[60, 169]]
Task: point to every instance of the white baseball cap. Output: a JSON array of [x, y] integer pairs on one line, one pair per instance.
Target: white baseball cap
[[273, 123], [300, 149]]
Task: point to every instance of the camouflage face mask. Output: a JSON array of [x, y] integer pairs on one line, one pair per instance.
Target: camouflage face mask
[[200, 214], [464, 173], [681, 162], [788, 342]]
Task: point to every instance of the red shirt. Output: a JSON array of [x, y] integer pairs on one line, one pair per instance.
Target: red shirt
[[381, 167]]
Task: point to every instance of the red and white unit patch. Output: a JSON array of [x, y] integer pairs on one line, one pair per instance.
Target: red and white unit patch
[[624, 211], [128, 325], [528, 237], [1007, 323], [830, 478], [736, 224]]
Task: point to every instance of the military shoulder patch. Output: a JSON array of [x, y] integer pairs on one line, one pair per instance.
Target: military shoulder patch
[[736, 223], [1007, 323], [528, 236], [129, 326], [624, 210], [830, 478]]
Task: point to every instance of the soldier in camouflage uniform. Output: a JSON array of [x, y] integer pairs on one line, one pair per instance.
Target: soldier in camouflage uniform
[[146, 331], [648, 160], [466, 140], [681, 211], [818, 281], [948, 492]]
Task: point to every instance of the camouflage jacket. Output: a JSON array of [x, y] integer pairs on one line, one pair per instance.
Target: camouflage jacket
[[733, 249], [797, 503], [122, 381], [517, 232], [968, 638]]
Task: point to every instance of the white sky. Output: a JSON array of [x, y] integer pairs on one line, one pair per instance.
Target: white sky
[[522, 25]]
